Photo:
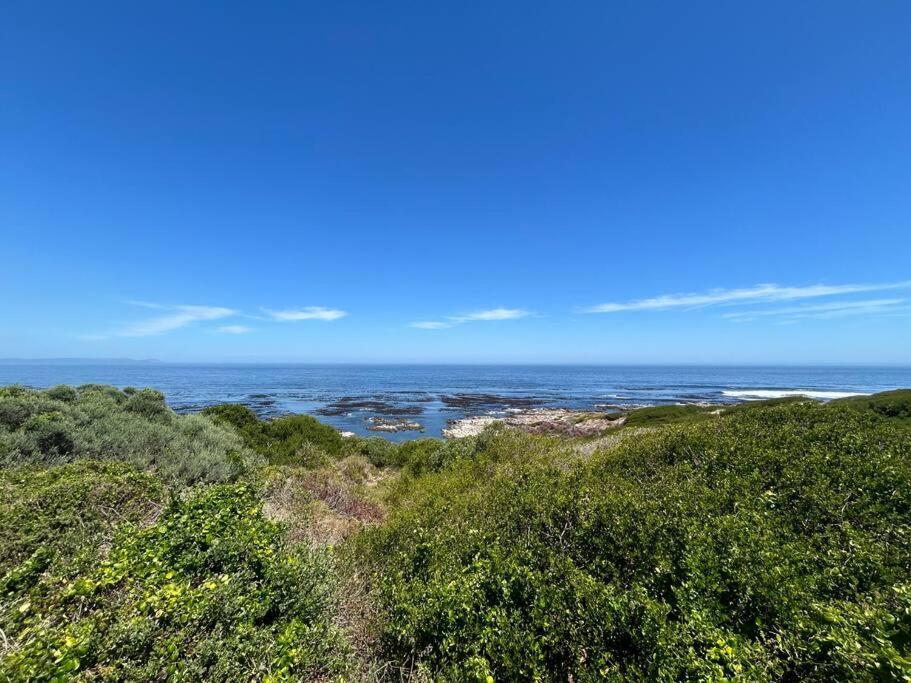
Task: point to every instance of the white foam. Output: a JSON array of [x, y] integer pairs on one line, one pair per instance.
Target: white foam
[[760, 394]]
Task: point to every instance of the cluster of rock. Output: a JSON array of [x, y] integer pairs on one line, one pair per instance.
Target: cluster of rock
[[538, 421], [393, 424]]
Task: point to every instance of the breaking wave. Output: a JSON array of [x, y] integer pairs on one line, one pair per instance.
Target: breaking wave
[[760, 394]]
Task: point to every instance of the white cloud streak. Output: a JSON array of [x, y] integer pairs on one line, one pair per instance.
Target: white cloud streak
[[764, 293], [477, 316], [181, 317], [307, 313], [175, 317], [492, 314], [145, 304], [430, 325], [831, 310]]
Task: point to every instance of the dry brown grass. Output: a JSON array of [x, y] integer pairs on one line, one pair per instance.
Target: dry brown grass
[[324, 506]]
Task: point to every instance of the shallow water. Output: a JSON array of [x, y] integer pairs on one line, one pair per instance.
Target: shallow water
[[347, 396]]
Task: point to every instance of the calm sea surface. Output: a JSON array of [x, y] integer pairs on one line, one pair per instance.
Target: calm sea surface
[[349, 396]]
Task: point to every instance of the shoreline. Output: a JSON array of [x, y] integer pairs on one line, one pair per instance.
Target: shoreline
[[398, 402]]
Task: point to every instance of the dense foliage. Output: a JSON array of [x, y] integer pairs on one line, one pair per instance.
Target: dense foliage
[[895, 405], [303, 440], [282, 441], [661, 415], [774, 544], [210, 591], [762, 542], [56, 518], [97, 422]]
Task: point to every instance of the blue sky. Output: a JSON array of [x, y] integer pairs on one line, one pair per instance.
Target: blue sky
[[625, 182]]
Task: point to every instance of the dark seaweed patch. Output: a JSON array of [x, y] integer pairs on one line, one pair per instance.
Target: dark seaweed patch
[[348, 404], [487, 400]]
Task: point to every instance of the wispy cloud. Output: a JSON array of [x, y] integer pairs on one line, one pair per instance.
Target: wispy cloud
[[145, 304], [430, 325], [836, 309], [181, 316], [307, 313], [765, 293], [488, 315], [174, 317], [492, 314]]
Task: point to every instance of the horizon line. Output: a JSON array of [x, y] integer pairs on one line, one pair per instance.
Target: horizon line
[[696, 364]]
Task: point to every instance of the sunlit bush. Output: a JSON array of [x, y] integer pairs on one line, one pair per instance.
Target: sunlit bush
[[209, 591], [773, 544], [278, 440], [895, 405], [101, 423], [58, 517]]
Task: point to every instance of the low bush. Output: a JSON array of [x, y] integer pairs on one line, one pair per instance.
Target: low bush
[[422, 455], [773, 544], [661, 415], [765, 542], [895, 405], [378, 451], [56, 518], [278, 440], [96, 422], [210, 591]]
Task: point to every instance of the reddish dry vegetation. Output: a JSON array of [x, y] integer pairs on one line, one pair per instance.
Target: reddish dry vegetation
[[340, 499]]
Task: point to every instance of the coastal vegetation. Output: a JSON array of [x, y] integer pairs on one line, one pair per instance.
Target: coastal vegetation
[[95, 422], [764, 542], [895, 405]]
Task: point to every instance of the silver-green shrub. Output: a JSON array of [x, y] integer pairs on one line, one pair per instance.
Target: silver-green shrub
[[99, 422]]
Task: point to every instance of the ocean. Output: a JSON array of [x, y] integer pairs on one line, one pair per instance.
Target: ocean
[[354, 397]]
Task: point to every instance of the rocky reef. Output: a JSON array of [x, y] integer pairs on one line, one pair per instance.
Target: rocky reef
[[393, 424], [539, 421]]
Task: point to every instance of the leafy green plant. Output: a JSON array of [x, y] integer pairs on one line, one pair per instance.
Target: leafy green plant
[[97, 422], [895, 405], [769, 541], [278, 440], [772, 544], [210, 591], [57, 518], [661, 415]]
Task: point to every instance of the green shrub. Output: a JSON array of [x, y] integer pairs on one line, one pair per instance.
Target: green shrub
[[105, 391], [772, 544], [18, 404], [149, 404], [208, 592], [63, 514], [280, 439], [62, 392], [422, 455], [286, 434], [242, 418], [379, 451], [311, 456], [49, 436], [101, 423], [660, 415], [895, 405]]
